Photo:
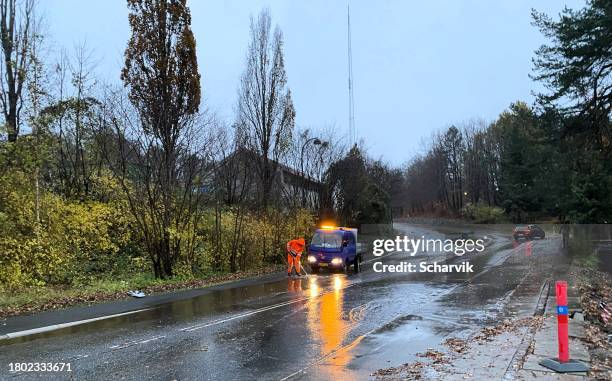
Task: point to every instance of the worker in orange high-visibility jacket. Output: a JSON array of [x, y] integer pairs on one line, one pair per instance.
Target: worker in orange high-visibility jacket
[[295, 247]]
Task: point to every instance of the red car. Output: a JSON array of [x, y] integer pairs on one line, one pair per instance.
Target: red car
[[528, 232]]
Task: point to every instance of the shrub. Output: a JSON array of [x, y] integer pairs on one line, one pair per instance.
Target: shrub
[[482, 214], [72, 239], [237, 239]]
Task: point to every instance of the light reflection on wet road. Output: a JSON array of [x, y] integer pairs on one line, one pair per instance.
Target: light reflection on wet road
[[329, 326]]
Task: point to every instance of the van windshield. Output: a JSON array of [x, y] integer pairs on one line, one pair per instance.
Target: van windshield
[[331, 240]]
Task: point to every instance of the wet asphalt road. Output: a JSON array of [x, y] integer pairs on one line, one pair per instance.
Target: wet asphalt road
[[329, 326]]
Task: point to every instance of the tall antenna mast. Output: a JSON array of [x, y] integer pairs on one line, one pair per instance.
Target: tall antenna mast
[[351, 117]]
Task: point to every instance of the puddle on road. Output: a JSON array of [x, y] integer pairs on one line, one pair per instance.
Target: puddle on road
[[395, 323], [388, 347]]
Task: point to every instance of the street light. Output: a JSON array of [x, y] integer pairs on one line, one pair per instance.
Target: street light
[[316, 141]]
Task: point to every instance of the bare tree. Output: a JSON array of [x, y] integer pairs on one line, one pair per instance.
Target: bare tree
[[16, 32], [234, 175], [36, 92], [475, 165], [234, 180], [136, 159], [265, 109], [451, 146], [73, 115], [82, 81], [311, 154]]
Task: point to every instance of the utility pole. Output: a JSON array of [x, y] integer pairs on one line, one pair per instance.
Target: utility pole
[[351, 117]]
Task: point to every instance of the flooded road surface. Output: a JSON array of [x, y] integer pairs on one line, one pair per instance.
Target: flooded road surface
[[329, 326]]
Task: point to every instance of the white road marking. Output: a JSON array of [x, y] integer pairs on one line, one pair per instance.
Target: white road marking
[[381, 257], [135, 342], [49, 328], [154, 338], [259, 310]]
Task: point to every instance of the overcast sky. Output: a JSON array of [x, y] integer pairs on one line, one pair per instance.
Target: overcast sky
[[417, 66]]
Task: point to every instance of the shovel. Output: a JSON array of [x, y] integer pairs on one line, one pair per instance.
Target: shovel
[[302, 267]]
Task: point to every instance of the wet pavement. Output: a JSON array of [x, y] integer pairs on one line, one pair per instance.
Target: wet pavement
[[329, 326]]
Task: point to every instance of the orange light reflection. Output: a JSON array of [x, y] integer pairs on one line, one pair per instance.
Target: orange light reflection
[[327, 324]]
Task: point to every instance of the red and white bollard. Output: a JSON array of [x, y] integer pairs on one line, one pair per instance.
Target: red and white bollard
[[563, 363]]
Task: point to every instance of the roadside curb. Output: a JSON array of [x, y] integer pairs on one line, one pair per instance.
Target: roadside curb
[[523, 348]]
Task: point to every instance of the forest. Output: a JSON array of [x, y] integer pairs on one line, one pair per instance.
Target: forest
[[140, 182]]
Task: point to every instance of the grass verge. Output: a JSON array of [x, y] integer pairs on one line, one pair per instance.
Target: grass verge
[[32, 300]]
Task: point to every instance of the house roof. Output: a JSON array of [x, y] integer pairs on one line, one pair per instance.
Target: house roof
[[280, 166]]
